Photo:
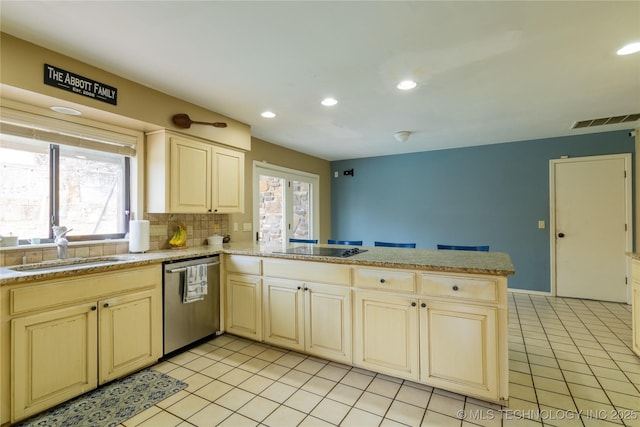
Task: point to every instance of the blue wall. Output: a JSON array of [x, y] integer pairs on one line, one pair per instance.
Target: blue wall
[[492, 194]]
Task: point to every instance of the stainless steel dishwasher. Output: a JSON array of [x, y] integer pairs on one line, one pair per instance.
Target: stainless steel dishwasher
[[186, 323]]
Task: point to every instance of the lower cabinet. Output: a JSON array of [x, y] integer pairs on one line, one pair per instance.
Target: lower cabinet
[[447, 330], [635, 305], [449, 334], [67, 336], [126, 334], [54, 358], [309, 317], [244, 306], [386, 334], [429, 342]]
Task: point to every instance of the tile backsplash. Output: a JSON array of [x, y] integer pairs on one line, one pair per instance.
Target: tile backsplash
[[199, 227], [161, 229]]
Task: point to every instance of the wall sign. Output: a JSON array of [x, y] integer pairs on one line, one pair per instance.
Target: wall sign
[[62, 79]]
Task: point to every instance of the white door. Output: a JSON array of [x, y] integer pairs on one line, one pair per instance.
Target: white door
[[286, 204], [591, 226]]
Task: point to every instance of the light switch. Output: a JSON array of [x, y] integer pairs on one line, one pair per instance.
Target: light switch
[[541, 224], [246, 226], [335, 174]]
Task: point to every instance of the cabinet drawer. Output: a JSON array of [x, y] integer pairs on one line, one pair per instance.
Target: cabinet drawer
[[334, 274], [243, 264], [465, 287], [387, 280], [24, 298]]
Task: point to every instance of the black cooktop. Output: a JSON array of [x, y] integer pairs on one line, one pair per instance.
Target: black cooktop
[[321, 251]]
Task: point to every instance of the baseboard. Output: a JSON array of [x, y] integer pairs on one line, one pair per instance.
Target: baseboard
[[527, 291]]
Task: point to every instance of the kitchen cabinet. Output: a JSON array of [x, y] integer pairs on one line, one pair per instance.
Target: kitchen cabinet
[[309, 317], [386, 334], [635, 305], [307, 307], [444, 329], [191, 175], [449, 333], [243, 291], [68, 336]]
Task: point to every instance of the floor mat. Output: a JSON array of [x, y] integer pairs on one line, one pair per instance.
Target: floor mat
[[111, 404]]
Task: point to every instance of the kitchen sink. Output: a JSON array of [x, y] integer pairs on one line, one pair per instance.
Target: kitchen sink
[[70, 263]]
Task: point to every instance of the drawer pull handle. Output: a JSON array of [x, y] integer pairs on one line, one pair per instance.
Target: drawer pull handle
[[455, 287], [382, 280], [94, 308], [413, 304]]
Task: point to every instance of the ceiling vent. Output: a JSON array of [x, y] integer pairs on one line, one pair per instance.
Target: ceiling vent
[[606, 121]]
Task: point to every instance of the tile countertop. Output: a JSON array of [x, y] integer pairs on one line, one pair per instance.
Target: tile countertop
[[495, 263]]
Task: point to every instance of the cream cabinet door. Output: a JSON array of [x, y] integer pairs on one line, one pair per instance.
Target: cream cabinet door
[[459, 348], [635, 305], [53, 358], [244, 306], [386, 334], [283, 304], [328, 322], [228, 181], [130, 331], [190, 177]]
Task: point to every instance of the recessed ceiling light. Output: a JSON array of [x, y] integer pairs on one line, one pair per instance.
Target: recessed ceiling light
[[629, 49], [407, 85], [268, 114], [329, 102], [65, 110]]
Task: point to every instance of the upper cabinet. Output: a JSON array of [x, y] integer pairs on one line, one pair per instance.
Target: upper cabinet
[[190, 175]]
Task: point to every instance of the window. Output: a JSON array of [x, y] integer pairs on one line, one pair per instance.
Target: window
[[286, 204], [48, 178]]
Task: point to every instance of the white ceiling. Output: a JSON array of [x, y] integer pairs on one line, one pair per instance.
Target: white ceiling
[[488, 71]]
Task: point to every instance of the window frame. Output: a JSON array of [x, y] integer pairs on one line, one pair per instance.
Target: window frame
[[88, 134], [289, 175]]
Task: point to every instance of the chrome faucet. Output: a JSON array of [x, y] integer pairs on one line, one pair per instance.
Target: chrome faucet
[[61, 241]]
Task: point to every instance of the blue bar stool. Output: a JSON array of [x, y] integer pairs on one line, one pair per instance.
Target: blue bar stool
[[345, 242], [464, 248], [303, 241], [395, 245]]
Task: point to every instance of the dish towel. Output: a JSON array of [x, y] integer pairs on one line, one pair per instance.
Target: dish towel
[[195, 287]]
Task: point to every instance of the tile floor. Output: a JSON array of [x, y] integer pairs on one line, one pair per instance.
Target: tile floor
[[570, 364]]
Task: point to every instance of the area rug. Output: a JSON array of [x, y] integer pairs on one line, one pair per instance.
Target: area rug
[[111, 404]]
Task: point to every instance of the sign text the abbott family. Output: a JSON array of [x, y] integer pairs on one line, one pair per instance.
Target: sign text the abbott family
[[54, 76]]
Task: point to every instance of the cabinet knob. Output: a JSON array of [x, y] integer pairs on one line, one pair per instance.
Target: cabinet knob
[[209, 210], [455, 287], [94, 308], [306, 289], [105, 305], [413, 304], [423, 305], [299, 287], [382, 280]]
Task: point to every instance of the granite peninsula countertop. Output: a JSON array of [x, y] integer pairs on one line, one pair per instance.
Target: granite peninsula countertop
[[494, 263]]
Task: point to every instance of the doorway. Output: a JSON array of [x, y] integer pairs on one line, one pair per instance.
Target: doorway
[[591, 227], [286, 204]]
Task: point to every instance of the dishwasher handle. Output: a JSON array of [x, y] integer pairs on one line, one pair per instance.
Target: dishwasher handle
[[180, 270]]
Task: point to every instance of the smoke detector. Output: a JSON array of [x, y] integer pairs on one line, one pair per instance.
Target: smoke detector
[[402, 135]]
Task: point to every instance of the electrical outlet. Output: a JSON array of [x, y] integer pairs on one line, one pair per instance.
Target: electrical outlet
[[235, 226], [246, 226], [541, 224], [216, 228]]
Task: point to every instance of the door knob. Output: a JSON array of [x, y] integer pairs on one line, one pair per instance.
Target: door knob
[[561, 235]]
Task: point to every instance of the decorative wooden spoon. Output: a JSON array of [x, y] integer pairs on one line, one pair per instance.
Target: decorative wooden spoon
[[183, 121]]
